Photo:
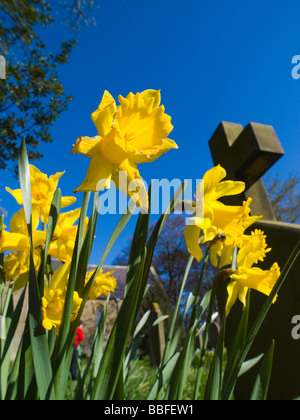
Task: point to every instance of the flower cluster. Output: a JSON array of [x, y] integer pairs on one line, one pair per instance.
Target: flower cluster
[[16, 245], [223, 226]]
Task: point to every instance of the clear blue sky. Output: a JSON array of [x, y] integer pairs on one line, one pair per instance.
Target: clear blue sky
[[213, 61]]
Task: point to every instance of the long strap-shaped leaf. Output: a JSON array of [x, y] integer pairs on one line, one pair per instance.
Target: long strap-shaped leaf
[[112, 361], [64, 345], [40, 350], [261, 386], [229, 383]]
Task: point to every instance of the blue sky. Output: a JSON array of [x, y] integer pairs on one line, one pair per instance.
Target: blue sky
[[213, 61]]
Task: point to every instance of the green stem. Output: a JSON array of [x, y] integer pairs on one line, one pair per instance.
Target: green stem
[[205, 340]]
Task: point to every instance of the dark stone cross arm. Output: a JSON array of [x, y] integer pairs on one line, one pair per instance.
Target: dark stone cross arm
[[247, 154]]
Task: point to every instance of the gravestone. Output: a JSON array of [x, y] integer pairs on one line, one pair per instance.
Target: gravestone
[[246, 154]]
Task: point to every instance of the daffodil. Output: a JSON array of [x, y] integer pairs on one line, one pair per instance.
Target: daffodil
[[217, 217], [54, 298], [42, 190], [63, 240], [103, 284], [256, 237], [248, 277], [16, 264], [134, 132], [224, 245]]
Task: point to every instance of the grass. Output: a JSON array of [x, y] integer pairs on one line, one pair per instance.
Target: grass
[[141, 377]]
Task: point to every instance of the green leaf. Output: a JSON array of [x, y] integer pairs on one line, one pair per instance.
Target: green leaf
[[15, 317], [184, 361], [249, 364], [239, 359], [141, 323], [52, 220], [24, 174], [64, 346], [174, 335], [38, 340], [261, 386], [84, 388], [238, 343], [112, 362], [214, 380], [163, 377]]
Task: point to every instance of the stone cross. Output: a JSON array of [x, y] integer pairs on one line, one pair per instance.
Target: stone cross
[[247, 154]]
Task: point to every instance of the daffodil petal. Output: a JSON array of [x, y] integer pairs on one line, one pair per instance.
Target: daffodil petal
[[68, 219], [263, 280], [212, 177], [47, 324], [129, 181], [67, 201], [103, 117], [88, 146], [226, 188], [226, 256], [233, 289], [155, 94], [53, 180], [243, 295], [98, 176], [192, 235], [17, 194], [13, 241], [154, 153], [60, 276], [18, 223], [38, 238]]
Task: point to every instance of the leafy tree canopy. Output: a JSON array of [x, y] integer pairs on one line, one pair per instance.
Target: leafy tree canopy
[[284, 194], [32, 97]]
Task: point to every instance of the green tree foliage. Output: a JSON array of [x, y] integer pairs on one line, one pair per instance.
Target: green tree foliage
[[32, 97]]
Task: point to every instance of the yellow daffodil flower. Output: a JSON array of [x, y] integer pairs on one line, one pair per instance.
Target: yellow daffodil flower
[[63, 240], [217, 216], [104, 284], [54, 297], [42, 190], [225, 245], [16, 264], [134, 132], [247, 277]]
